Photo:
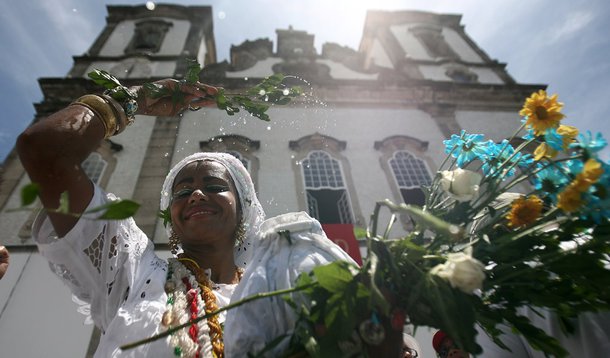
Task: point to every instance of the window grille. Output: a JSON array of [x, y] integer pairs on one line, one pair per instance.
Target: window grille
[[94, 167]]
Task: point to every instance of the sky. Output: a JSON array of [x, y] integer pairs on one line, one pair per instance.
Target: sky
[[561, 43]]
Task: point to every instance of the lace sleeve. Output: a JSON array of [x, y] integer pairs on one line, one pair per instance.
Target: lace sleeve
[[97, 259]]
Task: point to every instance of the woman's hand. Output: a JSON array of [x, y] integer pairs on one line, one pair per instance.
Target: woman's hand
[[3, 260], [172, 97]]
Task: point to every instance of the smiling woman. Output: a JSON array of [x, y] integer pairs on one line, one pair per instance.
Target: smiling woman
[[214, 218]]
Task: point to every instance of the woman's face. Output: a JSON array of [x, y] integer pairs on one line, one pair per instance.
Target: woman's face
[[204, 204]]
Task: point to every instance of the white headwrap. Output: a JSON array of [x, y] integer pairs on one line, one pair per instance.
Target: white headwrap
[[252, 211]]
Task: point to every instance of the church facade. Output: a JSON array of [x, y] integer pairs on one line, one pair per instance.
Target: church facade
[[369, 126]]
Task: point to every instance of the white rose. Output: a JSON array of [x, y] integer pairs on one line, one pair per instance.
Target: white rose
[[462, 272], [461, 184]]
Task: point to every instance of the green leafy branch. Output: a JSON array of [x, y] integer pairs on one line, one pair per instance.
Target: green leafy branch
[[256, 100]]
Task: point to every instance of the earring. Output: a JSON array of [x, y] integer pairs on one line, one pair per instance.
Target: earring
[[240, 233], [174, 243]]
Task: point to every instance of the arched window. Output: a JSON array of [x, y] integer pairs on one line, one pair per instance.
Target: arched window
[[410, 174], [327, 196], [323, 177], [405, 161], [94, 167]]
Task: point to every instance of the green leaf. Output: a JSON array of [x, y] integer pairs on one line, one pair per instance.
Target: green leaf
[[104, 79], [334, 277], [116, 210], [192, 71], [166, 215], [29, 193], [119, 210]]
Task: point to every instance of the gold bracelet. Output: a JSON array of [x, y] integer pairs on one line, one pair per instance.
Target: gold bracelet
[[119, 113], [103, 110]]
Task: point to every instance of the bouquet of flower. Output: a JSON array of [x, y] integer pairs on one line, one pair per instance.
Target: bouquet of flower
[[520, 223]]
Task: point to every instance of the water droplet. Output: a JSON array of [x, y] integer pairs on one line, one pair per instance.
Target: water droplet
[[286, 92], [74, 10], [292, 156], [150, 5], [266, 98], [268, 128], [262, 92], [245, 78], [222, 15], [186, 141], [220, 140], [166, 155]]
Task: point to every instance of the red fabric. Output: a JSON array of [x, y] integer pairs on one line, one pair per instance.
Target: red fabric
[[343, 236], [438, 339]]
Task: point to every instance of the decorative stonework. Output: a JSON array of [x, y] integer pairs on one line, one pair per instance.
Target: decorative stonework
[[460, 73], [249, 53], [148, 36], [432, 39]]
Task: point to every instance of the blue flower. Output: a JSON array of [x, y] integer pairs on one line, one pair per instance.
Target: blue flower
[[553, 139], [590, 144], [550, 180], [466, 147], [497, 159]]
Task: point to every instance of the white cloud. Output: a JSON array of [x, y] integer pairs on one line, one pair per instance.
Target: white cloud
[[575, 22]]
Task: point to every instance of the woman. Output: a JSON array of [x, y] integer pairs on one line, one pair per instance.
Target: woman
[[111, 266]]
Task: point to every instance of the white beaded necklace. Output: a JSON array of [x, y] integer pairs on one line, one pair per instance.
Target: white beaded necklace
[[184, 302]]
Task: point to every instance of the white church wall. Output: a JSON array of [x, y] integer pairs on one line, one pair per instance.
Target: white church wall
[[409, 43], [460, 46], [39, 318], [379, 56], [11, 222], [124, 69], [123, 33], [340, 72], [260, 70], [129, 160], [276, 177], [496, 125]]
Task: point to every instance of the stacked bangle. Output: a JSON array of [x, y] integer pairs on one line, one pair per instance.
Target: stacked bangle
[[103, 110], [122, 120], [114, 115]]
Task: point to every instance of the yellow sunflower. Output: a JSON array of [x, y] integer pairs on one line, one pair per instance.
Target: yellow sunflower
[[570, 199], [524, 211], [568, 134], [542, 112], [544, 151], [591, 172]]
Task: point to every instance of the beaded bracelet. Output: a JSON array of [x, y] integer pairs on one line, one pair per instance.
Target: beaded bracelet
[[127, 99], [102, 109]]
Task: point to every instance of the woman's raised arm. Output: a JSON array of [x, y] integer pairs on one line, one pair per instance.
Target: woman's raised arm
[[52, 149]]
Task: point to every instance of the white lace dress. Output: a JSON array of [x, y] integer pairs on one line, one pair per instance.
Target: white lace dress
[[115, 277]]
